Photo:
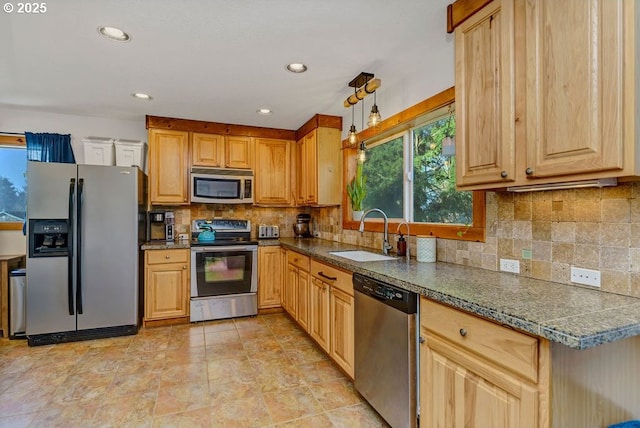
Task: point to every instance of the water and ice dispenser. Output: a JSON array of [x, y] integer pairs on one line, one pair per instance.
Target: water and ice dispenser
[[48, 238]]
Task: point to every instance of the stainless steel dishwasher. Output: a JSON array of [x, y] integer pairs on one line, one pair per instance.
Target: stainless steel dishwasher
[[385, 349]]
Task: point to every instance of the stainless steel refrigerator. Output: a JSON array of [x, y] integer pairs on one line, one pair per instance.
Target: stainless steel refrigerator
[[85, 227]]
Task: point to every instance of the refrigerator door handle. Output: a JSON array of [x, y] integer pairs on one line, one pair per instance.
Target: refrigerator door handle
[[79, 247], [72, 190]]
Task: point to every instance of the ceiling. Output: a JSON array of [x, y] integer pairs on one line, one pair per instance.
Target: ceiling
[[217, 60]]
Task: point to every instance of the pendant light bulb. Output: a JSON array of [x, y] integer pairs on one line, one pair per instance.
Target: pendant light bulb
[[352, 136], [374, 117], [362, 154]]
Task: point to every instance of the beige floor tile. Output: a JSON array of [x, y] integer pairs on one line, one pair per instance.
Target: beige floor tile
[[182, 373], [360, 415], [320, 371], [199, 418], [182, 397], [150, 343], [130, 383], [221, 337], [83, 386], [246, 412], [186, 341], [231, 368], [291, 404], [72, 415], [249, 323], [294, 340], [262, 345], [120, 341], [26, 401], [16, 421], [34, 378], [336, 393], [223, 351], [316, 421], [185, 355], [218, 325], [232, 389], [142, 362], [127, 409], [305, 354]]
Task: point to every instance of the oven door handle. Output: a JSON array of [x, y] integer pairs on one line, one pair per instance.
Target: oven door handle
[[225, 248]]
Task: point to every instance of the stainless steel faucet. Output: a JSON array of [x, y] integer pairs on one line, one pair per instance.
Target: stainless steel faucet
[[385, 245], [408, 235]]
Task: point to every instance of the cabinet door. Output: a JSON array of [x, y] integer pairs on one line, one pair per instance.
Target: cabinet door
[[298, 173], [291, 291], [207, 150], [310, 153], [269, 277], [485, 96], [303, 299], [460, 389], [574, 94], [273, 172], [319, 312], [342, 326], [168, 166], [166, 291], [238, 152]]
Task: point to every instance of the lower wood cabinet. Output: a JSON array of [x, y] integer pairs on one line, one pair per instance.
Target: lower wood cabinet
[[475, 373], [270, 276], [319, 312], [342, 329], [166, 286]]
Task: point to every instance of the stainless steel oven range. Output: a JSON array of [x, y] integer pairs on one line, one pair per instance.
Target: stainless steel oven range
[[224, 270]]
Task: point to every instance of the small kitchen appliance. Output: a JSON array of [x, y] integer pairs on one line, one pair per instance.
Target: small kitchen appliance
[[161, 226], [266, 231], [221, 186], [224, 270], [301, 226]]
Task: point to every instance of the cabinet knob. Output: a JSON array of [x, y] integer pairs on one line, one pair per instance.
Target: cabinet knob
[[463, 332], [528, 171], [167, 257], [184, 267], [421, 339], [503, 174]]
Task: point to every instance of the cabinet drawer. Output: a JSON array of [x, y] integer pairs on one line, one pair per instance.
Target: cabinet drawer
[[500, 345], [333, 275], [298, 260], [167, 256]]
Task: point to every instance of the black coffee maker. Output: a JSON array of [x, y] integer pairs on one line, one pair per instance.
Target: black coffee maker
[[301, 227]]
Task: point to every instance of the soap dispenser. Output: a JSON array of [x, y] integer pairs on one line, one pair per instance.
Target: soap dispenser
[[402, 246]]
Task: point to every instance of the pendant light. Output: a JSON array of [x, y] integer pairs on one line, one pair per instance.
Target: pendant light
[[352, 137], [374, 116], [362, 155]]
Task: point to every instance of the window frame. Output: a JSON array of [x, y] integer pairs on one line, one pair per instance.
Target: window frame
[[19, 141], [396, 125]]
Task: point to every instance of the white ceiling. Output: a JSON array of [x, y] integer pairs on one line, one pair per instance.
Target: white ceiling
[[217, 60]]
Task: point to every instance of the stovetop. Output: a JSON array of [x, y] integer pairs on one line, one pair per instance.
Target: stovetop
[[227, 232]]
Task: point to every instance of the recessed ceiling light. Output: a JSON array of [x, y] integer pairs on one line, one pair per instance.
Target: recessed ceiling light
[[114, 33], [142, 96], [296, 67], [264, 111]]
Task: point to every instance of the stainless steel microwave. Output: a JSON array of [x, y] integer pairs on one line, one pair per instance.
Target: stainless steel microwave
[[221, 186]]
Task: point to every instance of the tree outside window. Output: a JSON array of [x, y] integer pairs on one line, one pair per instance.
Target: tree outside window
[[13, 184]]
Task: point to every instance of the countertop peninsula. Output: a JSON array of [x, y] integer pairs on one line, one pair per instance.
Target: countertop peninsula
[[577, 317]]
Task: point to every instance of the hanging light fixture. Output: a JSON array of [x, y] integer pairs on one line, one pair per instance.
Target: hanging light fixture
[[352, 137], [374, 116], [362, 153]]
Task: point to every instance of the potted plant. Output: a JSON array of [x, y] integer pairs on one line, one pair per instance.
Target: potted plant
[[356, 190]]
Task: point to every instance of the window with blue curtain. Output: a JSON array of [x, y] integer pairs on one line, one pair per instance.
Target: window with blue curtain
[[45, 147]]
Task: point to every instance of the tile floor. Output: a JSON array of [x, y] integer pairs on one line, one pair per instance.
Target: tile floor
[[249, 372]]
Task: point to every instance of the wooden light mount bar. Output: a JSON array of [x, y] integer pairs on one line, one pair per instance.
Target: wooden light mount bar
[[368, 88]]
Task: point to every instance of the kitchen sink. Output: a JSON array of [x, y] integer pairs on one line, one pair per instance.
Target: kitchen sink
[[361, 256]]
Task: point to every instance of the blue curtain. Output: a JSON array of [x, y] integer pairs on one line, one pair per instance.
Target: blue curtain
[[49, 147]]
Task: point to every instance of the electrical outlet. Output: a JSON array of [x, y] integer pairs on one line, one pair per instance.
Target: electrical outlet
[[508, 265], [585, 276]]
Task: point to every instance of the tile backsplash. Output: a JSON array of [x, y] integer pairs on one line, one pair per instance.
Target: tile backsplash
[[590, 228]]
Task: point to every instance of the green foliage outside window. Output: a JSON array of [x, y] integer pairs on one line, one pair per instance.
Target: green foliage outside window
[[433, 187]]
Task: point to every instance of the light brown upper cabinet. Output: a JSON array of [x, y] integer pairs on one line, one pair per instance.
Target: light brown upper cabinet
[[545, 91], [318, 162], [168, 167], [273, 172], [219, 151]]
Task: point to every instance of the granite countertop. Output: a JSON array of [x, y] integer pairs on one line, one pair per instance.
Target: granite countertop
[[165, 245], [577, 317]]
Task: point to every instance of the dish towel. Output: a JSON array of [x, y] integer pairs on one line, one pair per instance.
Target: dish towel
[[628, 424]]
